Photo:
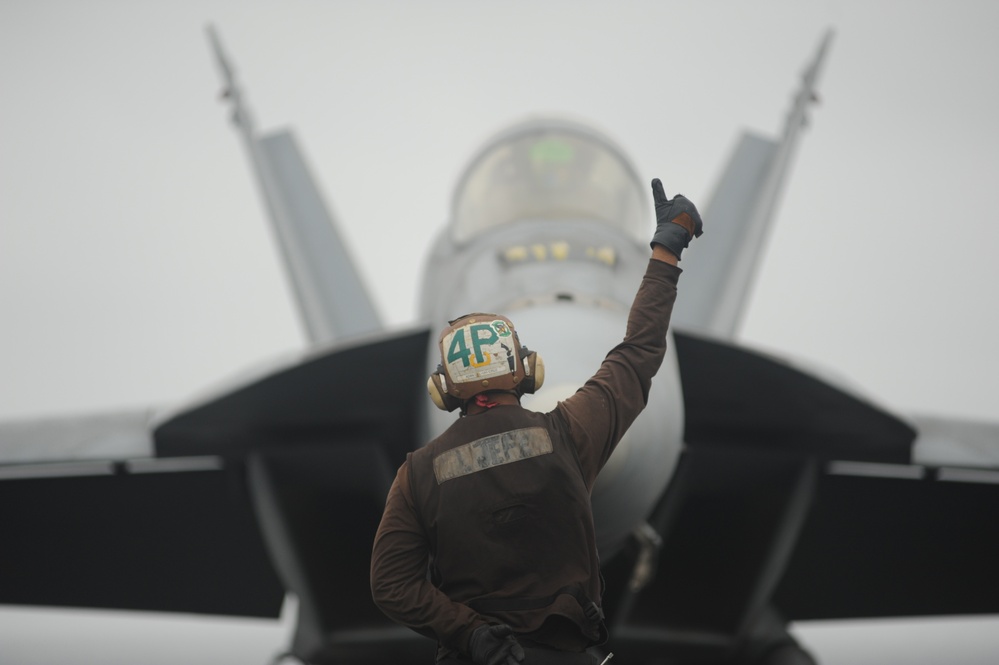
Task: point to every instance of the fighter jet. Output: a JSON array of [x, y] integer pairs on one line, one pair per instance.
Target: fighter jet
[[750, 493]]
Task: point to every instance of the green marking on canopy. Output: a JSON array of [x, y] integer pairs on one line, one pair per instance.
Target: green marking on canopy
[[551, 151]]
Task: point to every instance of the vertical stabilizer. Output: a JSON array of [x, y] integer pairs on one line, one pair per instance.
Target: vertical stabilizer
[[331, 297], [722, 269]]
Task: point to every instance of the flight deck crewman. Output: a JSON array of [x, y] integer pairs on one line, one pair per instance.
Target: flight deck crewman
[[487, 542]]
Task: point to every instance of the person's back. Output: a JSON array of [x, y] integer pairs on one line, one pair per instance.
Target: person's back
[[508, 536]]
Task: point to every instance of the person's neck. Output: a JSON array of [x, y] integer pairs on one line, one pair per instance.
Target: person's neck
[[491, 400]]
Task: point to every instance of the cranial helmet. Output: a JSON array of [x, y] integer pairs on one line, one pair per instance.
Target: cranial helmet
[[481, 352]]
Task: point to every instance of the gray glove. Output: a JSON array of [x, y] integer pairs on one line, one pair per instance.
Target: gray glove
[[677, 220], [495, 645]]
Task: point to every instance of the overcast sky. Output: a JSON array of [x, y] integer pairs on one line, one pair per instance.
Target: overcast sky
[[136, 266]]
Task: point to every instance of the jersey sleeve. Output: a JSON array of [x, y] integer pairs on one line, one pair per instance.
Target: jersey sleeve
[[399, 582], [600, 413]]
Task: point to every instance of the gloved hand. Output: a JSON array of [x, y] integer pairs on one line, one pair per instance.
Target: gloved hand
[[495, 645], [677, 220]]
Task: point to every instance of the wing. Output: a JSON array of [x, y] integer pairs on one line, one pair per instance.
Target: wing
[[950, 442], [319, 444], [903, 540], [91, 518], [796, 498], [30, 446], [274, 485]]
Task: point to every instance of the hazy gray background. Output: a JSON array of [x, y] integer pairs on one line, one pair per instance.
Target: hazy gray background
[[136, 266]]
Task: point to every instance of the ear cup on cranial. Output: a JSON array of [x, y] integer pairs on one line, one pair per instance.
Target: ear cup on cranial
[[534, 372], [439, 395]]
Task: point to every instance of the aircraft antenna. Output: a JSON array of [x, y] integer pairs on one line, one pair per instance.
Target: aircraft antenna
[[740, 214], [241, 116], [333, 303]]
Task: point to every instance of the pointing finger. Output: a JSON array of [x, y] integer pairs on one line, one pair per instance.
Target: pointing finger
[[658, 195]]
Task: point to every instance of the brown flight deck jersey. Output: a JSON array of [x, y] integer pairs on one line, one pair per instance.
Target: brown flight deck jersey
[[497, 507]]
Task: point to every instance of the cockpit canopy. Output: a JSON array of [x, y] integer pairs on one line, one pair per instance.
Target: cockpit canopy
[[549, 169]]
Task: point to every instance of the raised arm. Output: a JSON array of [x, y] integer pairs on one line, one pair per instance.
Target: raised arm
[[600, 413]]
